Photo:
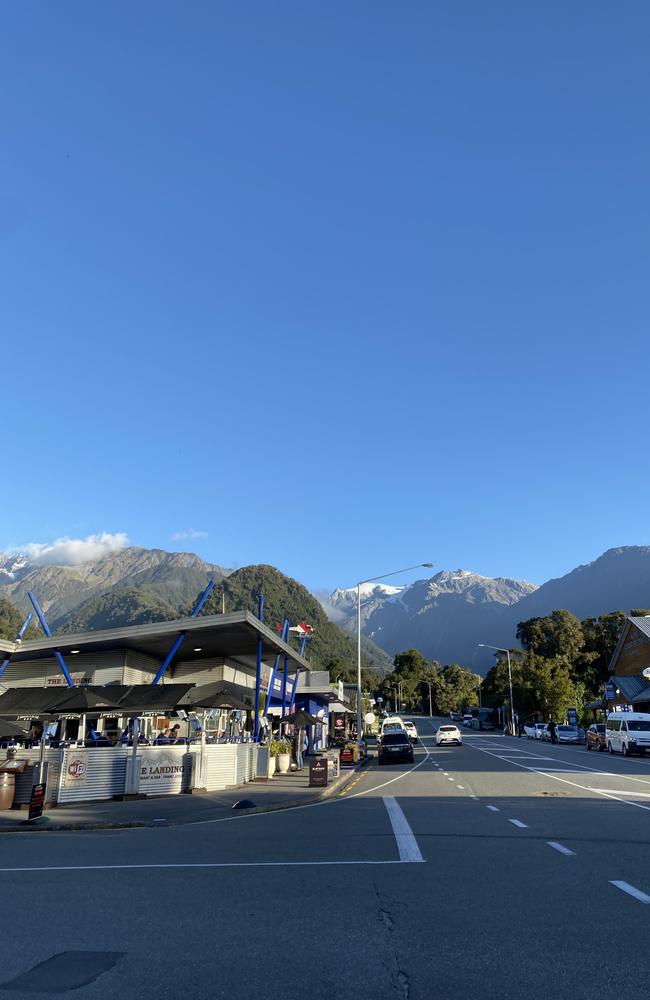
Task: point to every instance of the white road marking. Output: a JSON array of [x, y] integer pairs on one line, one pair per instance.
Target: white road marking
[[462, 787], [617, 791], [494, 809], [450, 779], [517, 822], [574, 784], [560, 847], [208, 864], [406, 842], [473, 796], [631, 890]]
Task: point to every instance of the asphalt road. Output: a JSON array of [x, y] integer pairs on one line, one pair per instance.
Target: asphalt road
[[503, 868]]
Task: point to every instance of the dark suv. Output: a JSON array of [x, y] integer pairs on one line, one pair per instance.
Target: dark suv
[[596, 737], [393, 747]]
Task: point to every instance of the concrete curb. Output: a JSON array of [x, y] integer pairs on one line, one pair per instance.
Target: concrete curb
[[336, 786]]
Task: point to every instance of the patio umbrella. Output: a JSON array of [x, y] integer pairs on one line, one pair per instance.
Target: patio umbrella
[[11, 730], [222, 694], [301, 719], [81, 701]]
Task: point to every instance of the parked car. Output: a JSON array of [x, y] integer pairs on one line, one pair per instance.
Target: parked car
[[468, 721], [448, 734], [411, 731], [628, 732], [596, 739], [455, 717], [567, 734], [393, 747], [530, 729], [542, 731]]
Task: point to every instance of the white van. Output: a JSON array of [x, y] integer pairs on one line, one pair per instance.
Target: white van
[[392, 723], [628, 732]]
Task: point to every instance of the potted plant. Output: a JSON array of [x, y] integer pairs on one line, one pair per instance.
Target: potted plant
[[281, 750]]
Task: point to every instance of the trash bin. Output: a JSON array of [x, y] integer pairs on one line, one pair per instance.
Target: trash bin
[[7, 790], [9, 768]]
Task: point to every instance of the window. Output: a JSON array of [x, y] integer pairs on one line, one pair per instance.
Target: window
[[614, 724], [639, 726]]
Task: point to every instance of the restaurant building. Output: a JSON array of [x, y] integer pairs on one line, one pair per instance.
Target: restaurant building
[[222, 651]]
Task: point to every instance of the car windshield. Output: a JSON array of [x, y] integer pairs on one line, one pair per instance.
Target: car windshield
[[567, 729], [393, 738], [638, 725], [600, 728], [447, 729]]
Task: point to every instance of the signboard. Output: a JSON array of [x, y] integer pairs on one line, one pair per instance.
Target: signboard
[[339, 723], [76, 769], [161, 771], [369, 718], [610, 692], [572, 717], [346, 757], [318, 772], [37, 801], [58, 680]]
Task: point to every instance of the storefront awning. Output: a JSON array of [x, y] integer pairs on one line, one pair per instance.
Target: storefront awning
[[337, 706]]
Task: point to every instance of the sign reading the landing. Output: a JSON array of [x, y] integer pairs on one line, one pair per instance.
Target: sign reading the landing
[[162, 771]]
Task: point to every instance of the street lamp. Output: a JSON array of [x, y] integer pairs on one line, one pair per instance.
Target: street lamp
[[373, 579], [500, 649]]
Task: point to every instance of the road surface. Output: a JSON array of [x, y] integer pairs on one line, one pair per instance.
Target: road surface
[[505, 868]]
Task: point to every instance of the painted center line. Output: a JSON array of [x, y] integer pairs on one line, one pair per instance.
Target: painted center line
[[407, 845], [462, 787], [208, 864], [560, 847], [631, 890], [494, 809], [517, 822]]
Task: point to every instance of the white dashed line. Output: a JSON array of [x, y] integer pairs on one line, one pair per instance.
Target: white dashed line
[[494, 809], [560, 847], [517, 822], [631, 891], [462, 787]]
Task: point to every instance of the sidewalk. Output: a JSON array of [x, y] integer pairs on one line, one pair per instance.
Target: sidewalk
[[281, 792]]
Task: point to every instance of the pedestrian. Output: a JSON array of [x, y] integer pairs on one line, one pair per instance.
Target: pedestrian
[[174, 733], [552, 731]]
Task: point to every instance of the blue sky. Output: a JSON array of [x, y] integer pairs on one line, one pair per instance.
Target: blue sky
[[335, 286]]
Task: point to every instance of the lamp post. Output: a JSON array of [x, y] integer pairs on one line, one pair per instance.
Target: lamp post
[[500, 649], [372, 579]]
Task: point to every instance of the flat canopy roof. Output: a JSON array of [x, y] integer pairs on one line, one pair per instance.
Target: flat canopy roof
[[234, 636]]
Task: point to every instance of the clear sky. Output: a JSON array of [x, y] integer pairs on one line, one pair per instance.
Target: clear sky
[[336, 286]]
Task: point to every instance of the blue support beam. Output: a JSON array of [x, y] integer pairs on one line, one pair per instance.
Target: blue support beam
[[181, 635], [48, 633], [294, 690], [19, 638], [258, 670]]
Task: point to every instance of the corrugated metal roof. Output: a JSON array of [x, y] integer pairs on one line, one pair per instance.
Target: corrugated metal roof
[[643, 624], [632, 687]]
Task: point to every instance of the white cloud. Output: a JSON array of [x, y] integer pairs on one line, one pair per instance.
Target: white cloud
[[73, 551], [180, 536]]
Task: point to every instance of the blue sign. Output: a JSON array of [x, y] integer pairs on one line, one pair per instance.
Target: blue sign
[[610, 692], [572, 717]]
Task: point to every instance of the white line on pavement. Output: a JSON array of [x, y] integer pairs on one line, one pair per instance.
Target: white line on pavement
[[406, 842], [631, 891], [517, 822], [560, 847], [617, 791], [574, 784], [211, 864], [494, 809], [462, 787]]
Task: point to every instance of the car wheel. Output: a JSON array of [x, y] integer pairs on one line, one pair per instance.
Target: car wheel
[[626, 752], [609, 747], [588, 745]]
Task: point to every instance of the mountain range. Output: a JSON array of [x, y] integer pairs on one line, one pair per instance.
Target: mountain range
[[445, 616], [448, 615], [135, 586]]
